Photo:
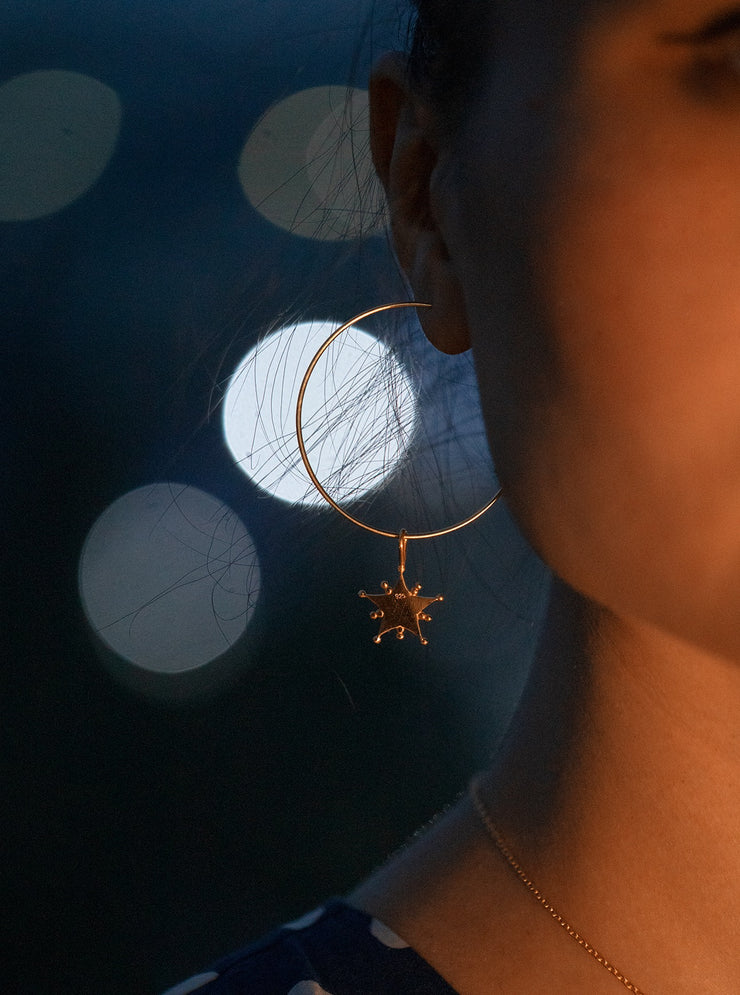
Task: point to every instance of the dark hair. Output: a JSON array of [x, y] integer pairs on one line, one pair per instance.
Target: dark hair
[[447, 44]]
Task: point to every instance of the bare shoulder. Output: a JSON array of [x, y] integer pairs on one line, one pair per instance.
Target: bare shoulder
[[456, 902], [442, 894], [426, 872]]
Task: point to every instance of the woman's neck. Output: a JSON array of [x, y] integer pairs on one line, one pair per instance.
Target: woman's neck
[[620, 791]]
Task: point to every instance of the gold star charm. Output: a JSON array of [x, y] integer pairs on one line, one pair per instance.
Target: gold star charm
[[399, 608]]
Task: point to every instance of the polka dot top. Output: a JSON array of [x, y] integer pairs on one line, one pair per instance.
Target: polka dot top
[[334, 950]]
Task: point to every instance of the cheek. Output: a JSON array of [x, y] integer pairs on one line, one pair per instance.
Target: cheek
[[602, 285], [632, 491], [641, 287]]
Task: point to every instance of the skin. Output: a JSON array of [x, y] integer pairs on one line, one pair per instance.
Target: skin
[[580, 227]]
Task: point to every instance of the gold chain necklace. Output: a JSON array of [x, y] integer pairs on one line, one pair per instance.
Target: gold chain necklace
[[511, 860]]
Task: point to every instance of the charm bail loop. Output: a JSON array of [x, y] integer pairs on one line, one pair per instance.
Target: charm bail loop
[[402, 542]]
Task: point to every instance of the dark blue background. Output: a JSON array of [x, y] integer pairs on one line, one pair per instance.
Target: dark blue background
[[142, 838]]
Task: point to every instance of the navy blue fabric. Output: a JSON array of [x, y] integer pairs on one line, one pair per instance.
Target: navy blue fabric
[[341, 950]]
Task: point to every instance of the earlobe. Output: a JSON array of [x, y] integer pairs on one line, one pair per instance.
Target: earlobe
[[405, 153]]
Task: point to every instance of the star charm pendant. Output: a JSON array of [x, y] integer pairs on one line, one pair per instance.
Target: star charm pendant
[[400, 609]]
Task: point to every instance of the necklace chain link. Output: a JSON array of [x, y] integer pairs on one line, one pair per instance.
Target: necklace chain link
[[511, 860]]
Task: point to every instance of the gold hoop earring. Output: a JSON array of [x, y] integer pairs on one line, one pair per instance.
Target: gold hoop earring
[[399, 608]]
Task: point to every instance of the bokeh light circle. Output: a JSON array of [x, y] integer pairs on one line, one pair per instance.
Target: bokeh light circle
[[359, 413], [306, 165], [58, 130], [169, 577]]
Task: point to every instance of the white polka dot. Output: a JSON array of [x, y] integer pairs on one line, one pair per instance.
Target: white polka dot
[[168, 578], [386, 936], [58, 131], [306, 165], [359, 413], [192, 984], [305, 921], [308, 988]]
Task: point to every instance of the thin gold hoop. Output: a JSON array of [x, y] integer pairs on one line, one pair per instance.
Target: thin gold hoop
[[307, 463]]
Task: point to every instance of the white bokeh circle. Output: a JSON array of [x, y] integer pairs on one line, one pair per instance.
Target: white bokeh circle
[[168, 577], [58, 131], [306, 165], [359, 413]]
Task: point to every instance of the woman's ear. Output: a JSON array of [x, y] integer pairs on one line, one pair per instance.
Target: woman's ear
[[405, 150]]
